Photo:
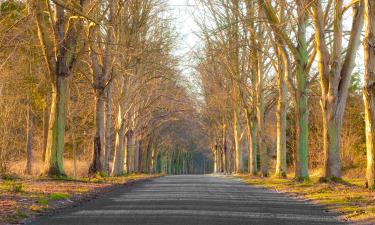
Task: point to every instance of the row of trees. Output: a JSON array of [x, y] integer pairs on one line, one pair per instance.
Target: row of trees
[[262, 59], [94, 80]]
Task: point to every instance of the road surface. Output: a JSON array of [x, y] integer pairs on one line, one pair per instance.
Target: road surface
[[192, 200]]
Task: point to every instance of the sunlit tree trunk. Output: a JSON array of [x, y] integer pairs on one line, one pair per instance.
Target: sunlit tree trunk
[[281, 115], [139, 155], [46, 112], [369, 90], [237, 157], [335, 72], [137, 149], [260, 118], [102, 66], [97, 163], [154, 156], [29, 140], [130, 151], [74, 143], [214, 157], [301, 97], [119, 158], [60, 56], [108, 127], [251, 127], [55, 142], [301, 59]]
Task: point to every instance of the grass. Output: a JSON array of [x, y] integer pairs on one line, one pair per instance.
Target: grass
[[12, 186], [21, 198], [348, 197], [58, 196]]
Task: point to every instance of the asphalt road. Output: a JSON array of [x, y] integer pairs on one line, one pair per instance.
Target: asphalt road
[[193, 200]]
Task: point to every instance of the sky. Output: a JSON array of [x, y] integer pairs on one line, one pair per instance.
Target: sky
[[182, 12]]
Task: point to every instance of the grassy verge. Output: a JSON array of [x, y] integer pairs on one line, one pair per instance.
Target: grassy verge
[[349, 197], [21, 198]]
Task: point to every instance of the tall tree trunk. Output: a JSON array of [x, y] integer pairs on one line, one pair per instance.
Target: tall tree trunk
[[301, 168], [74, 153], [55, 144], [260, 119], [97, 164], [29, 140], [335, 78], [301, 58], [136, 153], [281, 116], [148, 157], [251, 124], [102, 67], [140, 156], [154, 157], [301, 97], [237, 158], [130, 151], [108, 128], [214, 157], [119, 158], [369, 91], [46, 112], [60, 55], [225, 150]]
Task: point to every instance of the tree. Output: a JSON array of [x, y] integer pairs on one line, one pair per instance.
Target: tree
[[303, 61], [102, 59], [369, 91], [60, 54], [335, 70]]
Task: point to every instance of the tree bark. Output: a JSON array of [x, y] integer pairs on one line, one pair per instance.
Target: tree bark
[[281, 116], [46, 113], [55, 144], [60, 55], [108, 128], [97, 164], [29, 140], [251, 124], [335, 78], [301, 59], [130, 152], [119, 158], [301, 98], [301, 168], [225, 150], [238, 168], [102, 68], [369, 91], [260, 119]]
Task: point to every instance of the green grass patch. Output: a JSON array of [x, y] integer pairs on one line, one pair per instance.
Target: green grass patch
[[43, 201], [58, 196]]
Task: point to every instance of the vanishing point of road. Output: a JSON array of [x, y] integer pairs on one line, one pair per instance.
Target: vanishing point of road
[[193, 200]]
